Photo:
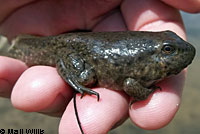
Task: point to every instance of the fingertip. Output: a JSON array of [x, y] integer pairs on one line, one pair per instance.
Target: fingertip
[[192, 6], [156, 112], [152, 15], [95, 116], [160, 108], [41, 89]]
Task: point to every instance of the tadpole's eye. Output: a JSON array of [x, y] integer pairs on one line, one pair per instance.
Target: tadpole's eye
[[168, 49]]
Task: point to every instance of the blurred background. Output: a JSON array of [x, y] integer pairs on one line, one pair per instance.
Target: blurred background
[[186, 121]]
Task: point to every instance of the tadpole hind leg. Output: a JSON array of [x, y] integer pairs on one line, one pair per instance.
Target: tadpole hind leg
[[81, 89], [70, 72]]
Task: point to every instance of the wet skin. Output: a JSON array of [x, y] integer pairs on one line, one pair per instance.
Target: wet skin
[[130, 61]]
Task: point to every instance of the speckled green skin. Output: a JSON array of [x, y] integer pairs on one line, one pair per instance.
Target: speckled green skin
[[129, 61]]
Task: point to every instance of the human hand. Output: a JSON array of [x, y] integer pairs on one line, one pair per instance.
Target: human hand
[[40, 88]]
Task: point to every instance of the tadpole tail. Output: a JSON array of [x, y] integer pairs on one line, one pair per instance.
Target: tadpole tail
[[76, 113]]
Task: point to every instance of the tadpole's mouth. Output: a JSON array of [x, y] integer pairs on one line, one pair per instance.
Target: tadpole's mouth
[[193, 51], [190, 52]]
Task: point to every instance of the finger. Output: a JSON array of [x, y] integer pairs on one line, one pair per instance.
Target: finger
[[159, 109], [113, 22], [192, 6], [9, 74], [151, 15], [41, 89], [155, 16], [96, 117], [52, 17]]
